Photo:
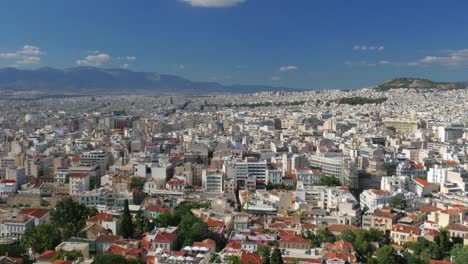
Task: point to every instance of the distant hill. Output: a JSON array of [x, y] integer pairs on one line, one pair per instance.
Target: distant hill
[[415, 83], [93, 80]]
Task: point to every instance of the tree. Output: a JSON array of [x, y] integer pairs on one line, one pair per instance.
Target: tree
[[397, 201], [276, 257], [424, 250], [386, 255], [41, 238], [443, 241], [263, 250], [70, 217], [137, 183], [126, 224], [329, 181], [233, 260], [348, 235], [110, 259], [460, 254], [191, 229]]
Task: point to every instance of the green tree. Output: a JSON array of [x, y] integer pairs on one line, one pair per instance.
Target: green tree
[[263, 250], [386, 255], [70, 217], [137, 183], [322, 235], [460, 254], [70, 255], [397, 201], [276, 257], [41, 238], [109, 259], [126, 225], [191, 229], [233, 260], [329, 181], [424, 250], [348, 235], [443, 241]]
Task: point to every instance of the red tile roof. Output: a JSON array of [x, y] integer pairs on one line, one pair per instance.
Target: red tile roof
[[35, 212], [423, 182], [48, 254], [214, 223], [252, 258], [405, 229], [165, 237]]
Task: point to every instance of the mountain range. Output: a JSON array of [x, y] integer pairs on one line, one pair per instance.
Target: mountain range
[[100, 81], [92, 80]]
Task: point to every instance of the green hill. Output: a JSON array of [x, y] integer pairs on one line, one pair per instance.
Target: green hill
[[416, 83]]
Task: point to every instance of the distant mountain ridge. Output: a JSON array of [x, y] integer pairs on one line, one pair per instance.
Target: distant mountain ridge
[[104, 81], [416, 83]]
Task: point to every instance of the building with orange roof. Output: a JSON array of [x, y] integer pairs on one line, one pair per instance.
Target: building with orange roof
[[215, 226], [401, 234], [342, 247], [422, 187], [251, 258], [448, 216], [294, 242], [41, 215], [107, 221]]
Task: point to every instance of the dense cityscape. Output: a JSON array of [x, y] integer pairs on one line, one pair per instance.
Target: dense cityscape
[[233, 132], [359, 176]]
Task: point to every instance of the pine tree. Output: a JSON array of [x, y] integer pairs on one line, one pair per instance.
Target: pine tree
[[126, 224], [276, 257]]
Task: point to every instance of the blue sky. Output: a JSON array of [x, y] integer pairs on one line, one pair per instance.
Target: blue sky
[[293, 43]]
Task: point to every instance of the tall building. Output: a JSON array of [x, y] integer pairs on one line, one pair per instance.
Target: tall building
[[212, 181], [331, 164]]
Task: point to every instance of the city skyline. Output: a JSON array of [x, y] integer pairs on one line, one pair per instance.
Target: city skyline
[[298, 44]]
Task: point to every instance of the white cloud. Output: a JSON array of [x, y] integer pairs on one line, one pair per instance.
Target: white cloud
[[28, 54], [131, 58], [30, 50], [8, 55], [275, 78], [28, 60], [94, 60], [288, 68], [368, 48], [213, 3], [124, 66], [452, 58], [384, 62]]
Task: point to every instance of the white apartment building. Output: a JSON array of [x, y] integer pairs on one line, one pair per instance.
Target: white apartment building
[[8, 187], [243, 169], [15, 226], [450, 133], [308, 177], [212, 181], [338, 203], [372, 199], [60, 176], [274, 176], [330, 163], [438, 174], [79, 182], [394, 183], [96, 158]]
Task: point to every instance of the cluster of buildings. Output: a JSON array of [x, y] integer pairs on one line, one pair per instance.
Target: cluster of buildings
[[263, 161]]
